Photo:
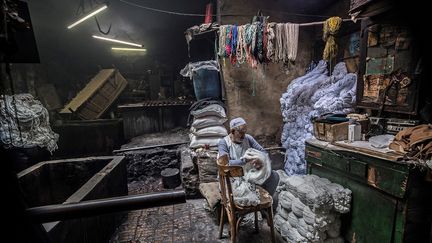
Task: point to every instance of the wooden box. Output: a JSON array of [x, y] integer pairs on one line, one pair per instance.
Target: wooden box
[[331, 132], [97, 96]]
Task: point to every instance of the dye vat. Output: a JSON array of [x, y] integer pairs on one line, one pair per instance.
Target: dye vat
[[75, 180]]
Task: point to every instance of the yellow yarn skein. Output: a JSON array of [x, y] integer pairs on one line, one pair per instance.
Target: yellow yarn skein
[[331, 27]]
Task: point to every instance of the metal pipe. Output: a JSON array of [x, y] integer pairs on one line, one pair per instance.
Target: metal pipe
[[89, 208]]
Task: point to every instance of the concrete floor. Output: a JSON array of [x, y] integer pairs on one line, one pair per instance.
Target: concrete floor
[[188, 222]]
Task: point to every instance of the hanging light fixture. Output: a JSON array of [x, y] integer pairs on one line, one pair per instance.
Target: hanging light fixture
[[117, 41], [128, 49], [88, 16]]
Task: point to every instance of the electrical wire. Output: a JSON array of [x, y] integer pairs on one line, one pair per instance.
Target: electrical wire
[[223, 15], [162, 11]]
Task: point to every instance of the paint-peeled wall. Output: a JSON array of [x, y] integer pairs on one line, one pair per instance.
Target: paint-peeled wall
[[254, 93]]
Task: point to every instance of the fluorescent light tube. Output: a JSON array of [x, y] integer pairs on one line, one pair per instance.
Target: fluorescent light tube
[[88, 16], [117, 41], [127, 49]]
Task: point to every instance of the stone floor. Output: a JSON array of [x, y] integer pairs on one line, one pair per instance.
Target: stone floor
[[188, 222]]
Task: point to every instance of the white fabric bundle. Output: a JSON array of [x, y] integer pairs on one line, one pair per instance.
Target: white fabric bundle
[[244, 189], [253, 175], [308, 216], [292, 219], [278, 221], [341, 197], [210, 110], [283, 212], [208, 121], [292, 235], [285, 199], [213, 131], [244, 193], [198, 142], [312, 201], [310, 96], [297, 207], [293, 182]]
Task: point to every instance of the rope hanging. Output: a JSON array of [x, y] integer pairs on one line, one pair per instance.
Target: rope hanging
[[331, 28]]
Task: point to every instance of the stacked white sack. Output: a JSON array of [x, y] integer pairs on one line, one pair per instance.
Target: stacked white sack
[[207, 128]]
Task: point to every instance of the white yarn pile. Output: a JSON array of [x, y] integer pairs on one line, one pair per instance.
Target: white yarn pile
[[27, 126], [207, 128], [245, 192], [310, 96], [309, 208]]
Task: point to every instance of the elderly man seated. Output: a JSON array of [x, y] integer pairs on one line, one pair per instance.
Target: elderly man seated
[[235, 145]]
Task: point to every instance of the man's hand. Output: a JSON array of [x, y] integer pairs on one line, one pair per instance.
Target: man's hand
[[256, 163]]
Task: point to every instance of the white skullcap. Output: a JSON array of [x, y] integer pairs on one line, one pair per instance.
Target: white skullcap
[[237, 122]]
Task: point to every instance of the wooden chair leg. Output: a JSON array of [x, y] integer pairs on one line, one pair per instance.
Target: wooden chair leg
[[271, 224], [233, 229], [256, 222], [221, 222]]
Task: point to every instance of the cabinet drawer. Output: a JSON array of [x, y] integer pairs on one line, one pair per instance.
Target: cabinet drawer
[[358, 168]]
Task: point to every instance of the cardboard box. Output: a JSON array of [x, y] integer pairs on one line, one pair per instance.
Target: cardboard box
[[331, 132]]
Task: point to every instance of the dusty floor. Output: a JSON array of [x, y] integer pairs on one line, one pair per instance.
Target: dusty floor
[[188, 222]]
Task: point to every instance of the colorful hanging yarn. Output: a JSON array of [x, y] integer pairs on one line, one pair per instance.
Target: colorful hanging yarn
[[271, 41], [330, 29], [233, 56], [259, 35], [259, 41], [241, 44]]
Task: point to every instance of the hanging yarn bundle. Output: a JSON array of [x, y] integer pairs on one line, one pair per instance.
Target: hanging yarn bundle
[[259, 42], [331, 28]]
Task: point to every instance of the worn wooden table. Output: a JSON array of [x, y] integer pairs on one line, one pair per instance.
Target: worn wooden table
[[391, 199]]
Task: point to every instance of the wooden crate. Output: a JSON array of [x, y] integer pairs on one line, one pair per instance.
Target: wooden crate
[[331, 132], [97, 96]]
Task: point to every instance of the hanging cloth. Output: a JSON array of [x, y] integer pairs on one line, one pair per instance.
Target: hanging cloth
[[331, 28]]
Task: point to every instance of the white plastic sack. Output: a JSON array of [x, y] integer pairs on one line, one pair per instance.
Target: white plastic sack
[[208, 121], [190, 68], [213, 131], [278, 222], [198, 142], [211, 110]]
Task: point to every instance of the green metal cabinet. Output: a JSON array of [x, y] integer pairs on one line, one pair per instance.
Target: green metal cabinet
[[391, 201]]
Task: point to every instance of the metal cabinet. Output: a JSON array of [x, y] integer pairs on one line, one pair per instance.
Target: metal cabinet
[[391, 200]]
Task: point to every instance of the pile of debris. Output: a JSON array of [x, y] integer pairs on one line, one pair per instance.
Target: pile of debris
[[309, 208], [150, 162]]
